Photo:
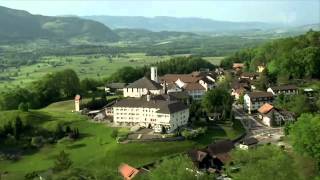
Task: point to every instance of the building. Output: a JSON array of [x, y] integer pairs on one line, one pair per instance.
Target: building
[[114, 87], [238, 66], [141, 87], [254, 100], [249, 75], [127, 171], [159, 112], [195, 83], [284, 89], [248, 143], [261, 68], [272, 116]]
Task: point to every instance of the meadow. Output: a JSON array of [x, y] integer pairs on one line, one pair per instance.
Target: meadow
[[86, 66], [95, 150]]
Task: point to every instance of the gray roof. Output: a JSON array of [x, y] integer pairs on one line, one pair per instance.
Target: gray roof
[[165, 105], [260, 94], [284, 87], [116, 85], [145, 83]]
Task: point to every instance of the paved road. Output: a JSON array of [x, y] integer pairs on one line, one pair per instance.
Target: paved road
[[251, 124]]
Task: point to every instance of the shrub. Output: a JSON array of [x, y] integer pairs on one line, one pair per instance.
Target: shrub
[[114, 133], [37, 141]]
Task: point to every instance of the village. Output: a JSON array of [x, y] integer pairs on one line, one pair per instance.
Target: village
[[158, 109]]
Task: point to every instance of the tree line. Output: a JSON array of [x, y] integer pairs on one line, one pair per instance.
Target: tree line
[[289, 58], [177, 65]]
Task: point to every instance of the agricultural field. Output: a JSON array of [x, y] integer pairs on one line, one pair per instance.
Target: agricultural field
[[95, 150], [86, 66], [90, 66], [214, 60]]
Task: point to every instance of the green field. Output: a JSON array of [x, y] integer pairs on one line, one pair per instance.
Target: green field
[[96, 150], [214, 60], [86, 66]]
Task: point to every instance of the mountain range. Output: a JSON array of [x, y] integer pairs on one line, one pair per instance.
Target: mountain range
[[164, 23], [21, 25]]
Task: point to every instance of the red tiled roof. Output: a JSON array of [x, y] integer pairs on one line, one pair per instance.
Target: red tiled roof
[[194, 86], [187, 78], [127, 171], [265, 108], [238, 65]]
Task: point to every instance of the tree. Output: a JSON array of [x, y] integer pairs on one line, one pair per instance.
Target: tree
[[59, 132], [178, 168], [263, 81], [24, 107], [62, 162], [17, 128], [305, 135], [218, 100], [114, 133], [270, 162]]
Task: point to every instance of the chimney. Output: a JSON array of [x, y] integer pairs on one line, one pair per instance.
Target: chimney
[[154, 74]]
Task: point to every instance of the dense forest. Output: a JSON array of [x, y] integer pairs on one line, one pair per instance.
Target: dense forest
[[289, 58]]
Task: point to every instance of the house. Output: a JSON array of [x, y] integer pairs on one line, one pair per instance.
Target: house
[[109, 109], [237, 93], [213, 157], [141, 87], [201, 159], [254, 100], [271, 116], [261, 68], [284, 89], [238, 66], [159, 112], [114, 87], [128, 172], [249, 75], [181, 96], [248, 143], [195, 90], [195, 83]]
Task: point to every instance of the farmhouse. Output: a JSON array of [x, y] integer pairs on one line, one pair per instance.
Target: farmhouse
[[271, 116], [249, 75], [254, 100], [160, 112], [114, 87], [284, 89]]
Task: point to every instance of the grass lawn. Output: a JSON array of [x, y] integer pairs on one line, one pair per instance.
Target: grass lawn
[[96, 150]]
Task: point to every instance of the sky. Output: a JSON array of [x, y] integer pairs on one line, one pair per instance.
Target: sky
[[291, 12]]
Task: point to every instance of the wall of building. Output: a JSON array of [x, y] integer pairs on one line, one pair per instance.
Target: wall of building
[[145, 117], [138, 92]]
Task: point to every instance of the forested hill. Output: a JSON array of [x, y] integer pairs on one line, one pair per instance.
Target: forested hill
[[289, 58], [17, 25], [177, 24]]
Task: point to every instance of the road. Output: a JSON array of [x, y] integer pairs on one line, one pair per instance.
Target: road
[[255, 128]]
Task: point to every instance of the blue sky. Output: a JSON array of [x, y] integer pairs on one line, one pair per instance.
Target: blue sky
[[283, 11]]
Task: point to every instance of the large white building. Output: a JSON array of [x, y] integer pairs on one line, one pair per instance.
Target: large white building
[[254, 100], [151, 111]]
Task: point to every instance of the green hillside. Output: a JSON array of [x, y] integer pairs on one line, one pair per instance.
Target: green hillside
[[17, 25]]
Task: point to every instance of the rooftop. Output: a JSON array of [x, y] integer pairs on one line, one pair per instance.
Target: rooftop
[[284, 87], [145, 83], [194, 86], [260, 94], [164, 103], [127, 171], [265, 108], [220, 147]]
